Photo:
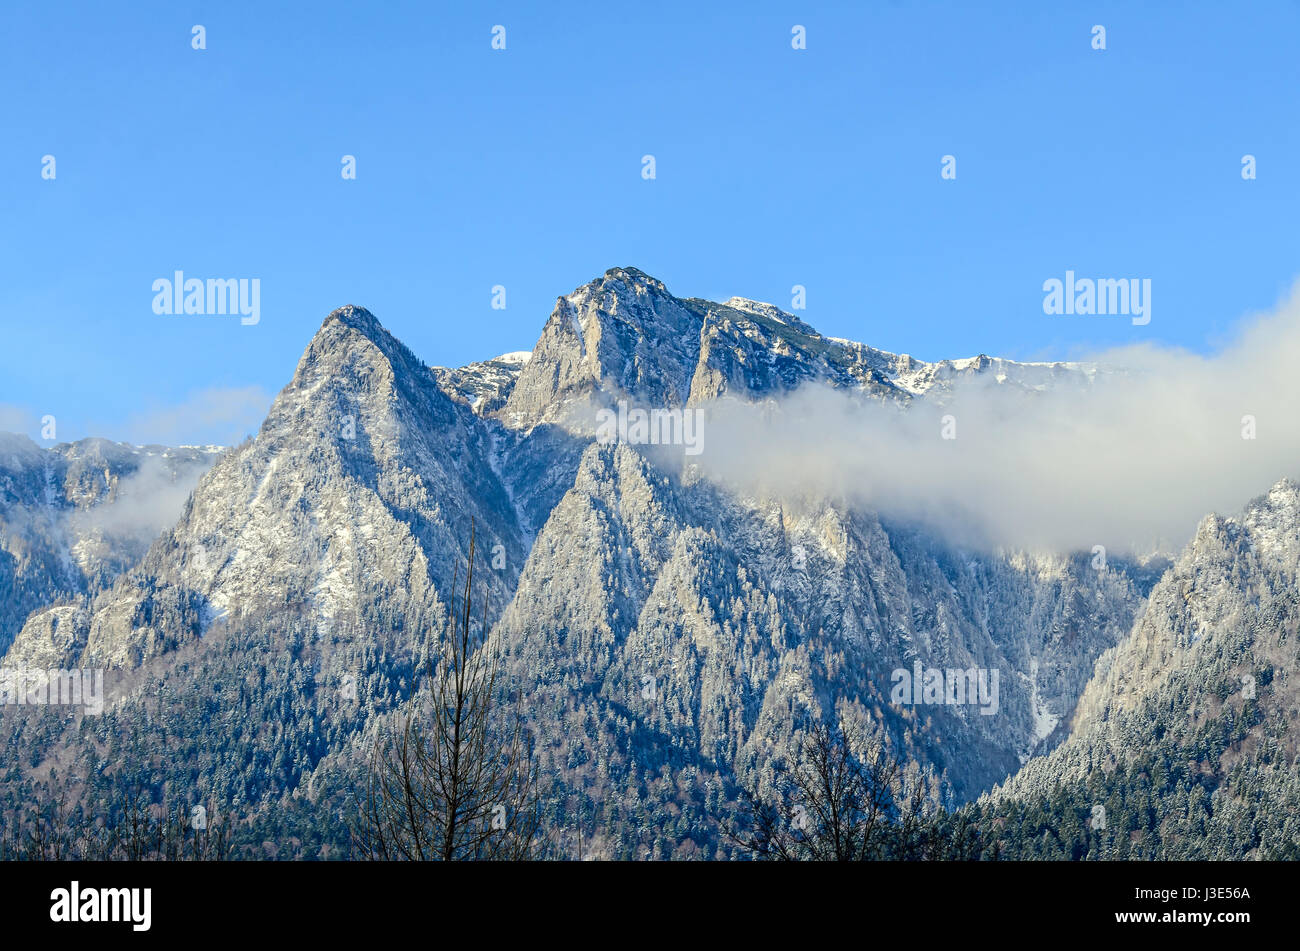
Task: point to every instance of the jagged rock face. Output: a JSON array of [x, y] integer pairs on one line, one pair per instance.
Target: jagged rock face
[[649, 617], [1229, 574], [75, 516], [358, 489], [1216, 643], [747, 619], [483, 386], [625, 336], [620, 335], [52, 637]]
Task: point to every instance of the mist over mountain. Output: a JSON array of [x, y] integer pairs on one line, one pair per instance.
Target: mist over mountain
[[1183, 744], [671, 624], [1091, 454], [74, 516]]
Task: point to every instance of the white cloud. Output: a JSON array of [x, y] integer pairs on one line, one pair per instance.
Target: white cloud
[[1132, 463], [146, 502]]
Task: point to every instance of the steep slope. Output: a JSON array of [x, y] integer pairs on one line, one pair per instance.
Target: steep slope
[[694, 627], [75, 516], [357, 491], [667, 641], [624, 336], [1185, 737]]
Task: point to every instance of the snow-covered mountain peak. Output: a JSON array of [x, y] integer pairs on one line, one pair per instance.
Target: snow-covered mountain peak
[[1273, 520], [619, 335], [762, 309], [632, 277], [356, 318], [352, 359]]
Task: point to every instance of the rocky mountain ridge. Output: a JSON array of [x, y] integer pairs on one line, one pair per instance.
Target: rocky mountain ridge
[[76, 515], [670, 641]]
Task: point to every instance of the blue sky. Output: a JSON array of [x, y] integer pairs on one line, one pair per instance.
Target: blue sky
[[522, 168]]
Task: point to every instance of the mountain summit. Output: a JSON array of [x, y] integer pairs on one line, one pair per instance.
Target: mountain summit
[[667, 639], [624, 335]]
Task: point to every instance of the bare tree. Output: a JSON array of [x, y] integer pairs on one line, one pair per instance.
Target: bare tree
[[176, 834], [843, 805], [454, 779], [141, 831]]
